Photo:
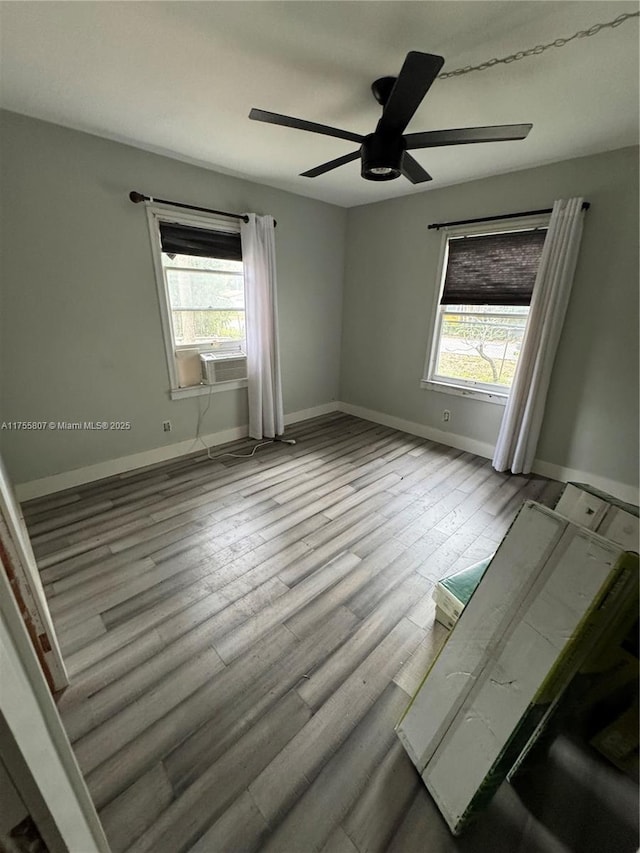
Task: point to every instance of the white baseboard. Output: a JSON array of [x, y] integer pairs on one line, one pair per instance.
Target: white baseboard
[[623, 491], [79, 476], [461, 442], [313, 412]]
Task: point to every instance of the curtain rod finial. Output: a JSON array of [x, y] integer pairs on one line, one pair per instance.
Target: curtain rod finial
[[136, 197]]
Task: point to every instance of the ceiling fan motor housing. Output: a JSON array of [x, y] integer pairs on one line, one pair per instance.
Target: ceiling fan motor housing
[[381, 156], [381, 89]]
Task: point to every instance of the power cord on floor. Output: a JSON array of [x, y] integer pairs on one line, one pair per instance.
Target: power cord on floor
[[256, 447], [201, 416], [247, 455]]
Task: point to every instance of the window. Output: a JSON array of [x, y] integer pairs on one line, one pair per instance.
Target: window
[[486, 285], [198, 261]]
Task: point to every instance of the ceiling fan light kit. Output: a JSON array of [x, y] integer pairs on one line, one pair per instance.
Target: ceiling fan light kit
[[383, 153], [381, 157]]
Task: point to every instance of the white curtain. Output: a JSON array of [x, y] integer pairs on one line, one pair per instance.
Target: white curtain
[[266, 417], [522, 420]]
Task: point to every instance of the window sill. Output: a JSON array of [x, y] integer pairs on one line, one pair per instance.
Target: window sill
[[462, 391], [202, 390]]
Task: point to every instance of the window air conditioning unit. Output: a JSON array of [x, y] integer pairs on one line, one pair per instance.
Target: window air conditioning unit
[[222, 367]]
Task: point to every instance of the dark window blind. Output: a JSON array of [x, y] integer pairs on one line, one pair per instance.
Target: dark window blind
[[186, 240], [493, 269]]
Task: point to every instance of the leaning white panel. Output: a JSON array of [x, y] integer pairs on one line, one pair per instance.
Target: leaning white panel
[[551, 591], [545, 626], [531, 540]]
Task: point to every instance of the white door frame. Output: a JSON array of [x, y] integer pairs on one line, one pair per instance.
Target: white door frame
[[24, 578], [34, 745]]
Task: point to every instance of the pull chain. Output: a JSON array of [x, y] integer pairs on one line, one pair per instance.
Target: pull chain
[[540, 48]]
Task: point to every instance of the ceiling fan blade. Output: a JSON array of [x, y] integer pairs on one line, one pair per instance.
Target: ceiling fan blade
[[301, 124], [418, 72], [467, 135], [412, 170], [332, 164]]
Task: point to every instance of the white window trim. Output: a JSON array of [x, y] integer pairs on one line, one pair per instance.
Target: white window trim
[[157, 213], [464, 391], [199, 390], [429, 380]]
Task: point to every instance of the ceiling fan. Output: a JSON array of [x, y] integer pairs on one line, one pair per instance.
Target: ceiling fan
[[384, 153]]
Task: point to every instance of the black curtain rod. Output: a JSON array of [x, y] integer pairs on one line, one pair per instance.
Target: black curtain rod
[[137, 197], [585, 206]]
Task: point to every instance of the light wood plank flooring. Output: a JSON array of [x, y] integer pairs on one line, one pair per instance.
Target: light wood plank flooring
[[243, 634]]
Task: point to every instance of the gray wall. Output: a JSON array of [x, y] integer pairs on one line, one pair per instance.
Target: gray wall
[[80, 335], [81, 339], [591, 421]]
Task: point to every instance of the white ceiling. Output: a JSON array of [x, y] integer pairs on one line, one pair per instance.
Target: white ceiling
[[181, 77]]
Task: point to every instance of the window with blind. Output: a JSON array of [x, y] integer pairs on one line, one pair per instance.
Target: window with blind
[[486, 287], [201, 288]]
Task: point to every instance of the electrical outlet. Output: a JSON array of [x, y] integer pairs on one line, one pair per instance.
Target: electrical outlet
[[166, 426], [446, 415]]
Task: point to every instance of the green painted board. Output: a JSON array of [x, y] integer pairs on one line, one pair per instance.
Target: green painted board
[[462, 584]]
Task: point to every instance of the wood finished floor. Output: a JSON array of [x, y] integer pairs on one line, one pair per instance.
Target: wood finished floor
[[242, 635]]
